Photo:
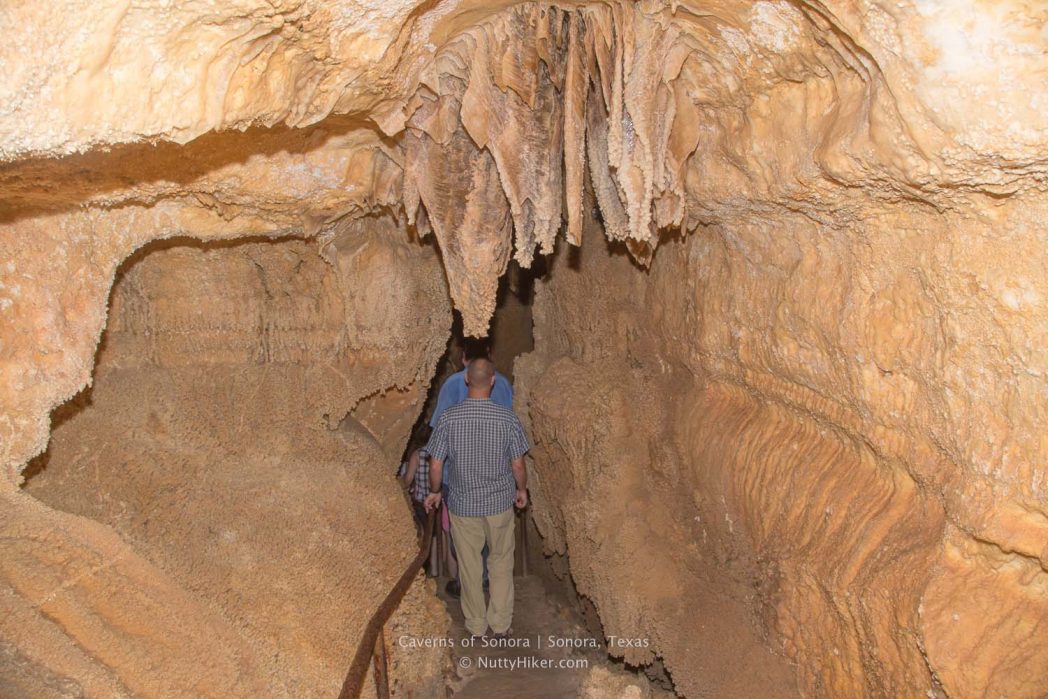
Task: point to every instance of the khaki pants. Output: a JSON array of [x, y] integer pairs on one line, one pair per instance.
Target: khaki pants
[[469, 534]]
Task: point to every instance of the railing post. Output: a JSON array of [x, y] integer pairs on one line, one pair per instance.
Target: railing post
[[523, 520], [381, 666], [445, 543]]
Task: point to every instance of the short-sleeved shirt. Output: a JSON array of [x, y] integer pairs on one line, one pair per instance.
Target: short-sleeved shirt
[[477, 439], [420, 486]]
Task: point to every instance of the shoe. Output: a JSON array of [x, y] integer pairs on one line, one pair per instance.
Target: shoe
[[508, 633], [453, 588]]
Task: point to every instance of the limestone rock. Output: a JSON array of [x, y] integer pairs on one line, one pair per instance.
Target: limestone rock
[[801, 348]]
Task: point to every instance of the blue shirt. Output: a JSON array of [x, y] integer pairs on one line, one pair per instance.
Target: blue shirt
[[455, 390], [481, 440]]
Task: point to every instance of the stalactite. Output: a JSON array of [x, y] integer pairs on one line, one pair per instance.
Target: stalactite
[[549, 95], [576, 88], [458, 184]]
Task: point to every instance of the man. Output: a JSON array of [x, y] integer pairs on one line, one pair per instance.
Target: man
[[484, 445], [452, 392]]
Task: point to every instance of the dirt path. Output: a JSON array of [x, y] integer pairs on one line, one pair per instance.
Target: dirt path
[[513, 669]]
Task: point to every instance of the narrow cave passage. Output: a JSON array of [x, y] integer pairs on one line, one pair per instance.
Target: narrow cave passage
[[558, 648], [212, 397]]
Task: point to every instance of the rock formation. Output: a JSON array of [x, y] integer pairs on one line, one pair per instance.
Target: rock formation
[[205, 443], [788, 397]]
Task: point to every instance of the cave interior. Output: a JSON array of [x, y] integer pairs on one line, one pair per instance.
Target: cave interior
[[769, 280]]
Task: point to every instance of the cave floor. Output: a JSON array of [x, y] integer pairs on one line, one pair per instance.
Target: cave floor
[[485, 672]]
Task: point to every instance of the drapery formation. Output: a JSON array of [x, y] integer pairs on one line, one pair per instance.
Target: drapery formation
[[518, 113]]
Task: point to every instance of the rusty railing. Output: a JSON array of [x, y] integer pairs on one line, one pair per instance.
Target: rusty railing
[[372, 647]]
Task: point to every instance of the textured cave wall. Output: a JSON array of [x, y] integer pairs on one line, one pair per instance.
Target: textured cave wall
[[65, 226], [873, 176], [820, 440], [208, 444]]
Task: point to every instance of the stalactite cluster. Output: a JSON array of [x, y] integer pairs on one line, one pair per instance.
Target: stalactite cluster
[[520, 115]]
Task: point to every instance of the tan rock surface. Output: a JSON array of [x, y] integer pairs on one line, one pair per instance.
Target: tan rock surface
[[205, 443], [749, 454], [838, 367]]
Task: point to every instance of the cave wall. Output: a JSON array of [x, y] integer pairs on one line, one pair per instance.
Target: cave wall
[[212, 443], [873, 175], [66, 225], [806, 438]]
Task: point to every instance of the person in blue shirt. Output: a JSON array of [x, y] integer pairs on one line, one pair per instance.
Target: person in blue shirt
[[454, 391]]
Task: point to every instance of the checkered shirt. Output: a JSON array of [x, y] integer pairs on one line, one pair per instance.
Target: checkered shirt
[[420, 486], [476, 440]]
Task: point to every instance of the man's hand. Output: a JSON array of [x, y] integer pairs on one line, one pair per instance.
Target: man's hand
[[520, 475], [432, 502]]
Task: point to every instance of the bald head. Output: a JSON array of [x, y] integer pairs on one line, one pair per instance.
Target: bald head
[[480, 375]]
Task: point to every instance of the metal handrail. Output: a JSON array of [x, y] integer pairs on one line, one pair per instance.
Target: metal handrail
[[372, 645]]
